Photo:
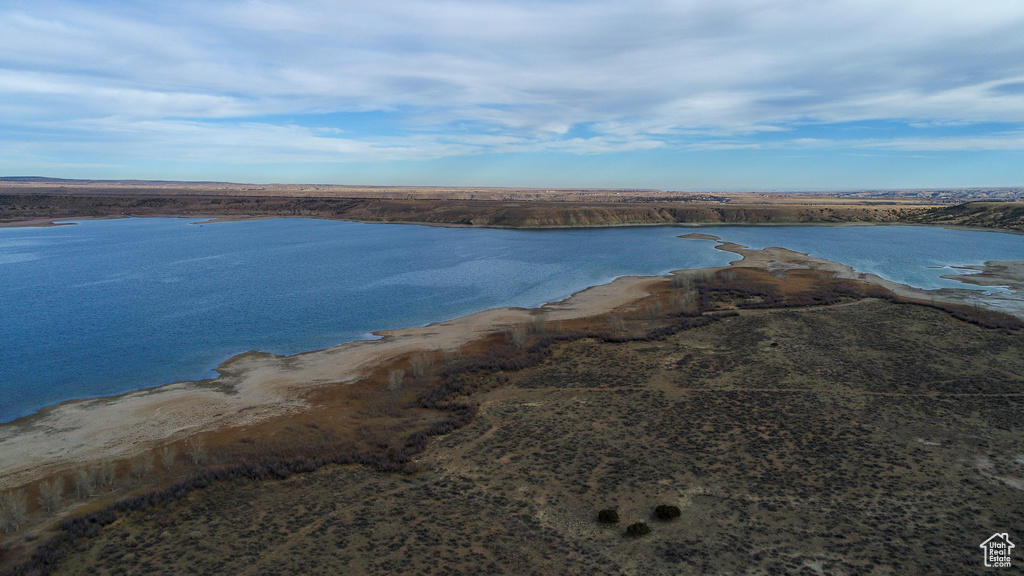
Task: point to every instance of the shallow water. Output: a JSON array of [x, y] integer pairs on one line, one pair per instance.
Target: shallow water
[[108, 306]]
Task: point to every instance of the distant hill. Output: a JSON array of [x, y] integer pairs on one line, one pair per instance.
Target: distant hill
[[1008, 215], [38, 179], [498, 214], [77, 181]]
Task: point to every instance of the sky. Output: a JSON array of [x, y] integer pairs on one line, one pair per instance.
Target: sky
[[674, 95]]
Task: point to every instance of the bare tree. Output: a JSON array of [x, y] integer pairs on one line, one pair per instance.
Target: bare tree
[[51, 492], [421, 363], [106, 472], [168, 455], [616, 324], [681, 280], [85, 482], [518, 336], [142, 465], [538, 322], [703, 276], [13, 510], [684, 300], [195, 449], [395, 378], [451, 355]]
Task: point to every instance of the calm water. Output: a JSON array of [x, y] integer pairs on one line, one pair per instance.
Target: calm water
[[104, 307]]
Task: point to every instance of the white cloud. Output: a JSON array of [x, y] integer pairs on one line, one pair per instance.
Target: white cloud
[[520, 74]]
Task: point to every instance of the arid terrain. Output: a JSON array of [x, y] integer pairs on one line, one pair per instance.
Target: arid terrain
[[862, 438], [35, 202], [38, 202], [802, 422]]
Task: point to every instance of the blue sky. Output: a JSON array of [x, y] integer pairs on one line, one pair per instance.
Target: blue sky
[[677, 95]]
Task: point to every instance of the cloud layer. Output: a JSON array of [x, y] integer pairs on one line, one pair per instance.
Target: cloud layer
[[326, 81]]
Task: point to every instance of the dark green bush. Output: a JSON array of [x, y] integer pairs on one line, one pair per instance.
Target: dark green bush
[[638, 529], [608, 517], [667, 512]]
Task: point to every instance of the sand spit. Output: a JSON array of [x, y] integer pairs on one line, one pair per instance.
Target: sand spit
[[251, 386], [1004, 274], [1001, 274]]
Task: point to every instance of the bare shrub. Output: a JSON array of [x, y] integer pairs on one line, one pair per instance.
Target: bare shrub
[[195, 449], [85, 482], [517, 336], [378, 436], [395, 378], [727, 275], [107, 470], [168, 456], [421, 363], [142, 465], [13, 510], [51, 492]]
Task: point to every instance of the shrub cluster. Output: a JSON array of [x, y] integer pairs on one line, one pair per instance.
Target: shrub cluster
[[608, 516], [667, 512], [638, 529], [757, 295]]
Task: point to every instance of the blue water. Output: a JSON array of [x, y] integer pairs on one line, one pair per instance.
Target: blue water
[[104, 307]]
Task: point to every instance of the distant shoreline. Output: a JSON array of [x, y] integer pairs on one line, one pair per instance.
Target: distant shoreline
[[216, 219], [496, 208], [42, 205]]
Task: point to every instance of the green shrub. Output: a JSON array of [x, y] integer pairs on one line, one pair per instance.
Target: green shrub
[[667, 512], [638, 529], [608, 516]]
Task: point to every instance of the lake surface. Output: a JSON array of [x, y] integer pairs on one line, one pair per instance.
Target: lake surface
[[108, 306]]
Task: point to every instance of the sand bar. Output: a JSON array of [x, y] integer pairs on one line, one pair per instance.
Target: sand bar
[[1006, 274]]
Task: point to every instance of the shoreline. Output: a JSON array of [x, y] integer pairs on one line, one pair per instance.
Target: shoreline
[[254, 386], [217, 219]]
